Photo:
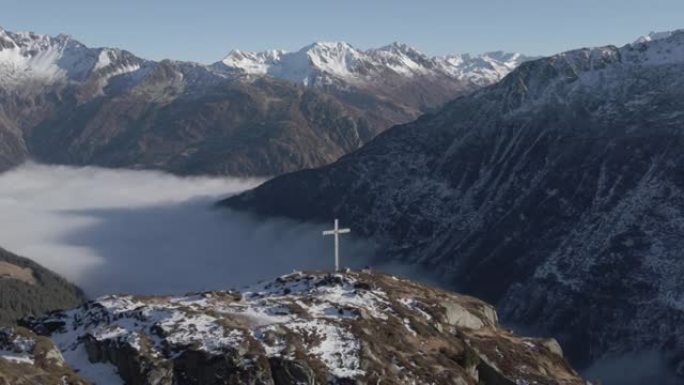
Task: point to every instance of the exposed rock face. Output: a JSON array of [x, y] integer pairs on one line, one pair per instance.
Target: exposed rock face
[[27, 359], [28, 289], [350, 328], [557, 193]]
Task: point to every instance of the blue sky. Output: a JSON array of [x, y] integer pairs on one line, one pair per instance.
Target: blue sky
[[205, 30]]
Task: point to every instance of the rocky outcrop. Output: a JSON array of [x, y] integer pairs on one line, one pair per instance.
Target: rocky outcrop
[[304, 328], [27, 359]]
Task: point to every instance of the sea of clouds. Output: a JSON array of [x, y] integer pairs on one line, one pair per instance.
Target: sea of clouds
[[146, 232]]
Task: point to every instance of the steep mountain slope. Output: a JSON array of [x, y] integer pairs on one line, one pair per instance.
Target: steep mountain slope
[[62, 102], [303, 328], [27, 289], [557, 193], [168, 122]]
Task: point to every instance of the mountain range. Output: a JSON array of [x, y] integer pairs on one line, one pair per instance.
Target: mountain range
[[250, 114], [557, 194]]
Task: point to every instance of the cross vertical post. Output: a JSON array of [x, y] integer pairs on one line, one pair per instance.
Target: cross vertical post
[[337, 246], [336, 232]]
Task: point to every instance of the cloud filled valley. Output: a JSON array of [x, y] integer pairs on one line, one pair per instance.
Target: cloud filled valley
[[144, 232]]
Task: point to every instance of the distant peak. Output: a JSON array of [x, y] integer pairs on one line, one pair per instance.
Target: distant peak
[[319, 62], [397, 45], [653, 36], [328, 45]]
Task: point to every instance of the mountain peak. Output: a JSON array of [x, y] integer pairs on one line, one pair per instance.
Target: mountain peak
[[323, 61], [399, 47], [654, 36], [328, 45]]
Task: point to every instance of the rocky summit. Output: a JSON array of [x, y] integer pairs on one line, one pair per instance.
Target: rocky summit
[[302, 328]]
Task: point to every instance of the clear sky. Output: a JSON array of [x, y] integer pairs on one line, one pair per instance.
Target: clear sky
[[205, 30]]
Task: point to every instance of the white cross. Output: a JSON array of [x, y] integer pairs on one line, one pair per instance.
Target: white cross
[[336, 232]]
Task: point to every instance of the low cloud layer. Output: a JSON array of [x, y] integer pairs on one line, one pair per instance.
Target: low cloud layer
[[146, 232]]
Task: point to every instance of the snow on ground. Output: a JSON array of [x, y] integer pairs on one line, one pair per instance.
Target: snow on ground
[[200, 320], [97, 372], [23, 358], [16, 348]]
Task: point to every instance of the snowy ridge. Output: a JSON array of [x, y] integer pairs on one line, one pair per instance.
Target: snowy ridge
[[655, 36], [343, 61], [29, 57], [344, 328], [183, 322]]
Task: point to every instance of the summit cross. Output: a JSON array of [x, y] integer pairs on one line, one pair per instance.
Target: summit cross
[[336, 232]]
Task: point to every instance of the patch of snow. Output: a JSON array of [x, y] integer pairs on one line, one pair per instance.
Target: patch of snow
[[96, 372], [23, 358], [338, 349], [414, 305]]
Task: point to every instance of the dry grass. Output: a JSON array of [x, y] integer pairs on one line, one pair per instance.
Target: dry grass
[[24, 274]]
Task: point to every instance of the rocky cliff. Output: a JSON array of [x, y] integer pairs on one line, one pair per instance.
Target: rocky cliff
[[302, 328]]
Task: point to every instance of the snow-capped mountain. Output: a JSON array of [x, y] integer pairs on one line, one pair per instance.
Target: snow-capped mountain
[[303, 328], [64, 102], [557, 193], [26, 57], [324, 63]]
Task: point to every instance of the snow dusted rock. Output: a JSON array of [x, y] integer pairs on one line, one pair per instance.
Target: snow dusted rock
[[302, 328], [27, 359]]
